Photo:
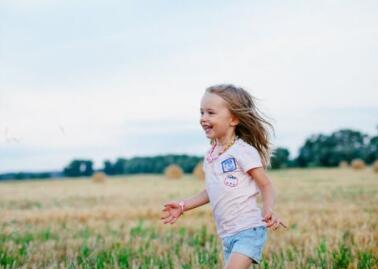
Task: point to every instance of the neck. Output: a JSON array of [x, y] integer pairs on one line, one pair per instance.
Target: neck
[[227, 139]]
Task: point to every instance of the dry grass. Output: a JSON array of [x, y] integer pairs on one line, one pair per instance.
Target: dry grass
[[358, 164], [99, 177], [375, 166], [198, 171], [173, 171], [58, 219], [343, 164]]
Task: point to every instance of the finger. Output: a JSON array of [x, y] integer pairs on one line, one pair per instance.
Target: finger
[[276, 225], [270, 221], [165, 217], [269, 224], [279, 222], [168, 219], [170, 208], [173, 220], [267, 217], [283, 224], [171, 204]]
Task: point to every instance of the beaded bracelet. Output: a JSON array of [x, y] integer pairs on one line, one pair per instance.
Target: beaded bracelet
[[182, 206]]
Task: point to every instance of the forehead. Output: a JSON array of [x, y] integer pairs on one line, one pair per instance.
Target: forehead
[[212, 100]]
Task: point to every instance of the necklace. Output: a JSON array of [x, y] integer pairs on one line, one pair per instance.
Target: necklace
[[210, 158]]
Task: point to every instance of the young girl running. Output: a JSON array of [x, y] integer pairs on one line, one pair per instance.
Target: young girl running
[[234, 175]]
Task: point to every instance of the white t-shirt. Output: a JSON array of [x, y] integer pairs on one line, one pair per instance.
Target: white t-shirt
[[232, 191]]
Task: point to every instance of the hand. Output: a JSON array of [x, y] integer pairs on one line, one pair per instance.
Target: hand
[[174, 211], [272, 220]]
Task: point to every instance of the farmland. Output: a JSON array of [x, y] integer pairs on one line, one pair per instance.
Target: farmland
[[332, 216]]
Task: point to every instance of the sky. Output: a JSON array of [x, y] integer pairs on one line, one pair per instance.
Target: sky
[[107, 79]]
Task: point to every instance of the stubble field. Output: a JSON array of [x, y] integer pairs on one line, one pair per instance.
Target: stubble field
[[332, 216]]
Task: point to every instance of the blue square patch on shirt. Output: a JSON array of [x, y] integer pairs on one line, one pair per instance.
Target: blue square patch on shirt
[[229, 165]]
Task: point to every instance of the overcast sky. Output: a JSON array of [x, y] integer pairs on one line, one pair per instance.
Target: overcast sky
[[107, 79]]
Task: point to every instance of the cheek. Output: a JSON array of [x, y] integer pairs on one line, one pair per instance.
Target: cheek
[[226, 120], [216, 121], [221, 125]]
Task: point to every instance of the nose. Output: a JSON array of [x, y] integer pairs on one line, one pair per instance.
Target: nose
[[203, 118]]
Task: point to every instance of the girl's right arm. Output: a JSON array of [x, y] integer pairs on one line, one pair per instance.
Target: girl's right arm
[[176, 208]]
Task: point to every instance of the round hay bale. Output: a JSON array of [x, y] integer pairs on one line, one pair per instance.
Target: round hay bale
[[358, 164], [99, 177], [173, 171], [198, 171], [343, 164], [375, 166]]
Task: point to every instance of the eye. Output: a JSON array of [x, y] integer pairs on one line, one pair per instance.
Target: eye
[[211, 112], [201, 112]]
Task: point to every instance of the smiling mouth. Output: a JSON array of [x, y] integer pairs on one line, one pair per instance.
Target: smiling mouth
[[207, 128]]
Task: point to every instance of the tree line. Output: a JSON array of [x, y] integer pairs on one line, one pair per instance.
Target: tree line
[[318, 150], [136, 165], [322, 150]]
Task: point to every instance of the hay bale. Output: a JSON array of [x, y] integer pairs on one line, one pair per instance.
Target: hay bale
[[173, 171], [343, 164], [99, 177], [375, 166], [358, 164], [198, 171]]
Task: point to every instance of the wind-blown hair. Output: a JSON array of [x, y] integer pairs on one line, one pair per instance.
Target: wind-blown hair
[[252, 126]]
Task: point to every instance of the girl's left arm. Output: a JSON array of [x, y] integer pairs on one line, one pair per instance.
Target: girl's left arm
[[265, 185]]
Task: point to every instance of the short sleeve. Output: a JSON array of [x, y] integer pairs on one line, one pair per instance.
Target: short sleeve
[[249, 158]]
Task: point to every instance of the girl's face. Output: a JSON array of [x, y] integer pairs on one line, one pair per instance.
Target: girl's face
[[216, 118]]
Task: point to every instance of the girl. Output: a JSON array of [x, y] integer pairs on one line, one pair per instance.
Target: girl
[[234, 175]]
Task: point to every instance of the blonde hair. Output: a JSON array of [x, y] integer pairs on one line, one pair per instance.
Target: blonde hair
[[252, 127]]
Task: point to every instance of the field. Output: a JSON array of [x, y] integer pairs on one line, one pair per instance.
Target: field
[[75, 223]]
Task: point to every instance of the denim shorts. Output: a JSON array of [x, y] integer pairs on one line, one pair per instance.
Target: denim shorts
[[249, 242]]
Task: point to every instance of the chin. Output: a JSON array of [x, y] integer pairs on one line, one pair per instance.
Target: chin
[[209, 136]]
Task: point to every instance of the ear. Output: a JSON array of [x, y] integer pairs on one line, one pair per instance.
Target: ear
[[234, 121]]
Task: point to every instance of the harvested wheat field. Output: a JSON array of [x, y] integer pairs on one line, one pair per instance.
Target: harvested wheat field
[[75, 223]]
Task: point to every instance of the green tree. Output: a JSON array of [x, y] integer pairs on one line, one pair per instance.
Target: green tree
[[323, 150], [280, 158], [78, 168], [372, 150]]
